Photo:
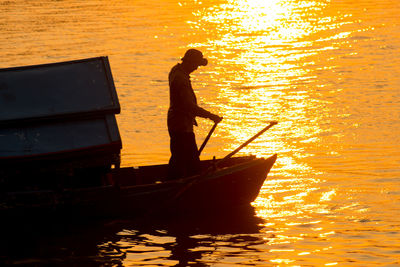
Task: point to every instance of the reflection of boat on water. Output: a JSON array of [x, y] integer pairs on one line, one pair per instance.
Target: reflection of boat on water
[[60, 150], [183, 240], [188, 240]]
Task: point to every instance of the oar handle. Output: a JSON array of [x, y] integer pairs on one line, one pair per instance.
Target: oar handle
[[271, 123], [207, 138]]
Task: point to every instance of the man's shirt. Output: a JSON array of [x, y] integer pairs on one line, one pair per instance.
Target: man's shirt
[[183, 107]]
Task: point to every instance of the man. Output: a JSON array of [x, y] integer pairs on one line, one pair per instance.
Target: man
[[182, 112]]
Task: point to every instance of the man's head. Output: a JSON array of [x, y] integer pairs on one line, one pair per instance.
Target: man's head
[[194, 58]]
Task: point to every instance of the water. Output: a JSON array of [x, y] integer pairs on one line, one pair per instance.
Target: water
[[328, 71]]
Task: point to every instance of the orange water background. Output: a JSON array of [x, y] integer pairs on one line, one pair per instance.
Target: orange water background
[[328, 71]]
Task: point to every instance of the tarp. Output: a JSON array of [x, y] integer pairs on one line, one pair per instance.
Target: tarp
[[59, 109], [57, 90], [58, 137]]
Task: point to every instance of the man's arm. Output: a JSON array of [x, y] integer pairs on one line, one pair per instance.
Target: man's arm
[[188, 101]]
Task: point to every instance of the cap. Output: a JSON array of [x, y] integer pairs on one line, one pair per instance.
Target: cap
[[195, 56]]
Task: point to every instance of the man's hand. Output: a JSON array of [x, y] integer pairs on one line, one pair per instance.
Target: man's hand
[[215, 118]]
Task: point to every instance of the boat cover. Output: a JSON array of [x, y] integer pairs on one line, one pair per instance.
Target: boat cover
[[58, 89], [59, 109]]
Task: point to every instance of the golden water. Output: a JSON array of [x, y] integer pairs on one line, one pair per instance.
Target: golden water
[[328, 71]]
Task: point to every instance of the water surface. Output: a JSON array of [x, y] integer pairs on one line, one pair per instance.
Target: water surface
[[328, 71]]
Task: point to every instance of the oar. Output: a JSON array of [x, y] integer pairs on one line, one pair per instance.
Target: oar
[[271, 123], [208, 137], [194, 181]]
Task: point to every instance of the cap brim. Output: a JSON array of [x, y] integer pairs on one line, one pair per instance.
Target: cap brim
[[203, 62]]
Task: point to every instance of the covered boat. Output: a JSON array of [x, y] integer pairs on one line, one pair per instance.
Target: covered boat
[[60, 147]]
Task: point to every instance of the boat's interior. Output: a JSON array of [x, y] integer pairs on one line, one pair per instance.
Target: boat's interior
[[158, 173]]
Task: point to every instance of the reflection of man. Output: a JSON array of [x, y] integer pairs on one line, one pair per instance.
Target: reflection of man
[[181, 116]]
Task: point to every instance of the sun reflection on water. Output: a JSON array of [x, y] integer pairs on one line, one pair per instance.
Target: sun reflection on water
[[266, 55]]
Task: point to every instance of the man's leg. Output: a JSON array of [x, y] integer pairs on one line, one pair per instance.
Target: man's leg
[[193, 160], [176, 166], [184, 159]]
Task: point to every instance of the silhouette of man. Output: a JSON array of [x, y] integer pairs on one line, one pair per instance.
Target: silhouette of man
[[182, 112]]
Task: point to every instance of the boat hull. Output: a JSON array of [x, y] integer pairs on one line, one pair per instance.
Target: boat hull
[[227, 187]]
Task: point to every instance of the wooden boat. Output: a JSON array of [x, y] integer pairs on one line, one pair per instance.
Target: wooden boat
[[137, 191], [60, 147]]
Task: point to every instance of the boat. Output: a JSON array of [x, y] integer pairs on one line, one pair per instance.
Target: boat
[[60, 152], [142, 191]]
